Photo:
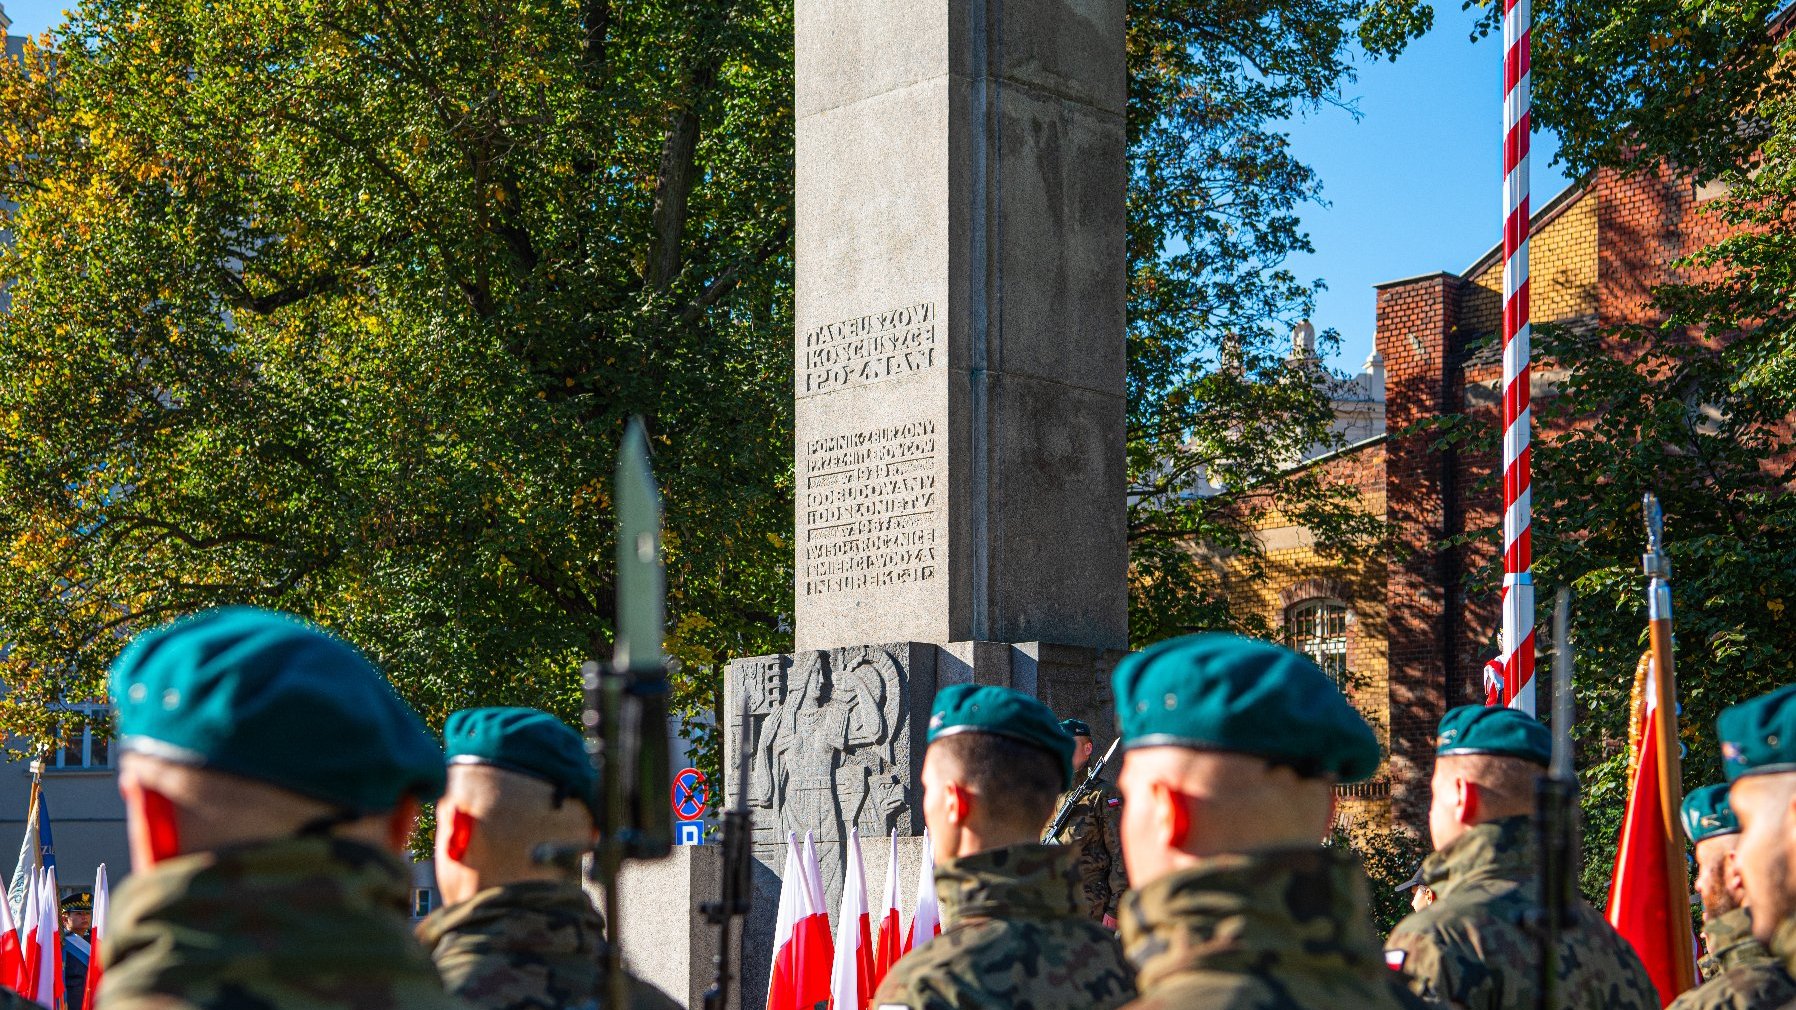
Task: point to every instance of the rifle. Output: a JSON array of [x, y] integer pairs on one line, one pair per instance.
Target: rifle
[[1078, 793], [734, 893], [1556, 816], [625, 706]]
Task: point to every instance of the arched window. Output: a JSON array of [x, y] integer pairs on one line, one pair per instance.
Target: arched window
[[1318, 629]]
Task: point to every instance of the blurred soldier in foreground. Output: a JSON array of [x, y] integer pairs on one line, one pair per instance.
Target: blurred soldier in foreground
[[1741, 973], [1014, 929], [1233, 748], [1474, 947], [515, 933], [1758, 752], [270, 777], [77, 924], [1094, 829]]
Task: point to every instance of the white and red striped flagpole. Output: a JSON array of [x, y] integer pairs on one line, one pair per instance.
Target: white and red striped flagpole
[[1518, 554]]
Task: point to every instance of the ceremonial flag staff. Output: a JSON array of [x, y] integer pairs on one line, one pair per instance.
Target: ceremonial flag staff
[[1518, 556]]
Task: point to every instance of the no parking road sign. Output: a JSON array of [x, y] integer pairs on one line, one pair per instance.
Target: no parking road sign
[[691, 794]]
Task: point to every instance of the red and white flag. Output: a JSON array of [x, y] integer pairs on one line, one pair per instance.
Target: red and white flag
[[30, 949], [41, 979], [12, 960], [890, 945], [926, 921], [851, 981], [801, 948], [101, 901]]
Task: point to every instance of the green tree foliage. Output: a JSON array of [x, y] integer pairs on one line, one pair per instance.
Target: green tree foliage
[[1214, 200], [339, 306], [1697, 409]]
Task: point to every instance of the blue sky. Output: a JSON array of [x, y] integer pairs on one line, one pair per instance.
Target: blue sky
[[1413, 185]]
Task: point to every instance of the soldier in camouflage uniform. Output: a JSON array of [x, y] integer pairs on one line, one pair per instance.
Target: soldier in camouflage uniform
[[1758, 752], [516, 933], [1014, 928], [270, 778], [1233, 747], [1740, 973], [1473, 948], [1094, 828]]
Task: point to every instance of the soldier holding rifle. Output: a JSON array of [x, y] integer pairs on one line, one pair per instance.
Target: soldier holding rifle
[[1089, 818]]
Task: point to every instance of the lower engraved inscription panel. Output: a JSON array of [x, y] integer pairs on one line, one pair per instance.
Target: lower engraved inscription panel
[[870, 508]]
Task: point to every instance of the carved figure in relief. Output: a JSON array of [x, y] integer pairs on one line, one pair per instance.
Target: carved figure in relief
[[827, 754]]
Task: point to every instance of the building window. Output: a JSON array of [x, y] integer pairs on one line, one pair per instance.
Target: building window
[[88, 745], [1318, 629], [424, 901]]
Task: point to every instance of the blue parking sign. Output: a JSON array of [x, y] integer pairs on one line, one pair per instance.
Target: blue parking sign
[[689, 832]]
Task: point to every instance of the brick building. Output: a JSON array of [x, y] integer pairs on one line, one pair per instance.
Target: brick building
[[1408, 633]]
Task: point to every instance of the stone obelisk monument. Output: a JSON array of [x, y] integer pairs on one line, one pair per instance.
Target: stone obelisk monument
[[959, 478]]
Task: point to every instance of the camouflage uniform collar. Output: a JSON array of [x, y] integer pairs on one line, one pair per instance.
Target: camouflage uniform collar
[[1502, 849], [490, 909], [1730, 942], [1783, 944], [288, 905], [1304, 907], [1015, 882]]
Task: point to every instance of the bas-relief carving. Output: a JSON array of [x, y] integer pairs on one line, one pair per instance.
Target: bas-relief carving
[[829, 748]]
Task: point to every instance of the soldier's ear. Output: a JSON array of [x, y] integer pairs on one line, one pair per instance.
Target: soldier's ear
[[461, 832], [401, 823], [1471, 800]]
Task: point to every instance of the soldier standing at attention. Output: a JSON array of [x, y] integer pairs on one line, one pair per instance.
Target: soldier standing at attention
[[1014, 931], [1474, 947], [1233, 748], [1094, 829], [270, 778], [515, 933], [77, 924], [1758, 752], [1741, 973]]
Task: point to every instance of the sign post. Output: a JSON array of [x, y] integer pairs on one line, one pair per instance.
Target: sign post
[[691, 797]]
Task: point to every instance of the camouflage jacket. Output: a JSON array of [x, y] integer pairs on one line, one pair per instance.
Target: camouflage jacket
[[1094, 828], [1280, 930], [529, 946], [296, 924], [1745, 974], [1014, 934], [1473, 949]]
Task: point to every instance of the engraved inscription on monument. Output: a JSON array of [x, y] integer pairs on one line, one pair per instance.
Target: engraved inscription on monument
[[880, 345], [869, 514]]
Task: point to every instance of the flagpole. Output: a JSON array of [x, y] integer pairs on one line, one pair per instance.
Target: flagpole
[[1665, 727], [1518, 554]]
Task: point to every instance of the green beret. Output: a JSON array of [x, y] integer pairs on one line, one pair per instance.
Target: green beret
[[269, 697], [1707, 814], [1076, 727], [1227, 693], [1758, 737], [527, 741], [80, 901], [1504, 732], [1000, 711]]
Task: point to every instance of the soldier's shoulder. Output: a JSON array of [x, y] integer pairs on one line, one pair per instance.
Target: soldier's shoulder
[[1221, 990], [1743, 987]]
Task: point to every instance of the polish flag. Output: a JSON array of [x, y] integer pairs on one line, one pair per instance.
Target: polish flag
[[815, 951], [799, 979], [101, 901], [30, 950], [891, 940], [12, 959], [851, 980], [49, 990], [927, 919]]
